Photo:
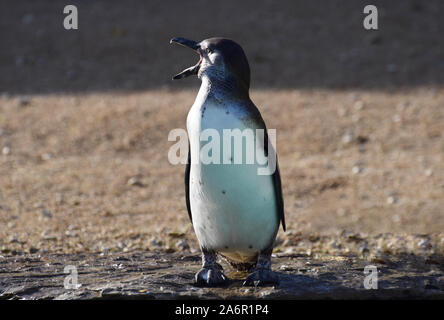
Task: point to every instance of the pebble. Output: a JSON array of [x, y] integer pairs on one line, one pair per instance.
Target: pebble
[[156, 242], [134, 181], [182, 244], [46, 213], [424, 244], [13, 239], [33, 250], [46, 156], [38, 205], [358, 105], [396, 118], [6, 150], [363, 248], [391, 200], [347, 137], [357, 169]]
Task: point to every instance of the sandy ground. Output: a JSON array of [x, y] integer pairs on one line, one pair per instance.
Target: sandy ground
[[91, 172], [84, 121]]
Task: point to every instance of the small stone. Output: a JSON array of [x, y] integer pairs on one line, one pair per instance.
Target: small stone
[[155, 242], [362, 139], [46, 213], [109, 291], [33, 250], [134, 181], [358, 105], [49, 238], [357, 170], [46, 156], [424, 244], [428, 172], [69, 233], [6, 150], [182, 244], [285, 267], [194, 250], [347, 137], [176, 234], [38, 205], [363, 248], [13, 239], [391, 200], [377, 259], [396, 118]]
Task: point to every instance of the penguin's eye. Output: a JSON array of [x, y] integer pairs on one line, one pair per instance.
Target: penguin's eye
[[208, 50]]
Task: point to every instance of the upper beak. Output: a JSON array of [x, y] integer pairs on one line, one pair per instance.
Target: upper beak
[[192, 45]]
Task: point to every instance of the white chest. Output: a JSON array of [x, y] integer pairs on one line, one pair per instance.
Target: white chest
[[233, 208]]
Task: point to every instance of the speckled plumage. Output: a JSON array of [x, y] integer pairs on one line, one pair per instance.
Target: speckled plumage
[[235, 211]]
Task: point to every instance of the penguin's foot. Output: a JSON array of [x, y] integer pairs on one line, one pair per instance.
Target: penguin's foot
[[262, 274], [211, 274], [261, 277]]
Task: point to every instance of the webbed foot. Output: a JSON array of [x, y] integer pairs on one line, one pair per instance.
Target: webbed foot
[[210, 277], [262, 274], [261, 277], [211, 274]]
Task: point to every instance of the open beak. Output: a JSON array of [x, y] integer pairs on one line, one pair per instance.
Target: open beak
[[192, 45]]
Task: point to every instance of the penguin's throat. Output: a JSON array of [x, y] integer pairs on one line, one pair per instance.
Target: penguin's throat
[[222, 87]]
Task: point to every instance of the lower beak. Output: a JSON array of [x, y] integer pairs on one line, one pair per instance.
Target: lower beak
[[192, 45]]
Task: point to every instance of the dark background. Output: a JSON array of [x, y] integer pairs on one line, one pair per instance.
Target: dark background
[[124, 45]]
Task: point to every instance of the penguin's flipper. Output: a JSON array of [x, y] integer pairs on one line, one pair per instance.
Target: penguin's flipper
[[187, 182], [256, 117], [277, 184]]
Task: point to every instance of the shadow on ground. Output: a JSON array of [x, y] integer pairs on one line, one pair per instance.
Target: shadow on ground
[[149, 275], [125, 46]]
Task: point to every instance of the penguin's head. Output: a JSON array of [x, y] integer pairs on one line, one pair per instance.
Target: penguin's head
[[220, 59]]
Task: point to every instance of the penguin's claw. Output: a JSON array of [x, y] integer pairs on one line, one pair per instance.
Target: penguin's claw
[[261, 277], [210, 277]]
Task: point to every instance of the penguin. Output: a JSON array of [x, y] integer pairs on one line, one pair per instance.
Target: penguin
[[235, 212]]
